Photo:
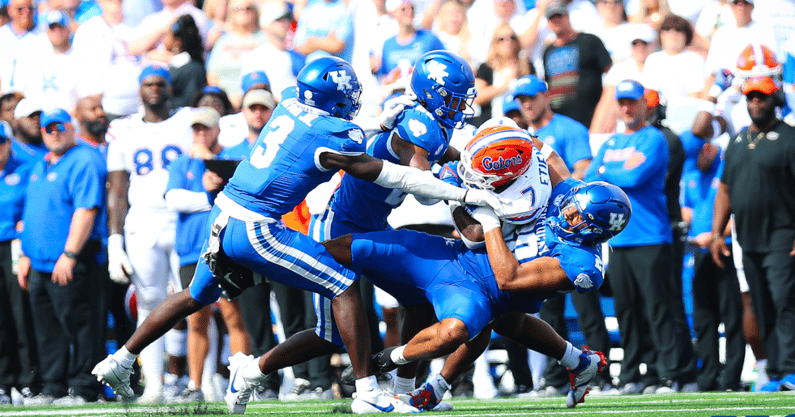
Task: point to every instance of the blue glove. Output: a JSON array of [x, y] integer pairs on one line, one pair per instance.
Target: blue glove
[[723, 79], [449, 174]]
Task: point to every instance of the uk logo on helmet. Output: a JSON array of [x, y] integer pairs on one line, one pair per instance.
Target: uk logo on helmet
[[617, 222], [342, 79], [437, 71]]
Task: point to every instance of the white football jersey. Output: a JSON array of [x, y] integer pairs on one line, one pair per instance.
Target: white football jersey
[[528, 194], [145, 151]]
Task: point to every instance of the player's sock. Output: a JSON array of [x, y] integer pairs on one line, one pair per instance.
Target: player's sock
[[367, 388], [397, 355], [404, 385], [571, 359], [124, 357], [251, 371], [440, 386]]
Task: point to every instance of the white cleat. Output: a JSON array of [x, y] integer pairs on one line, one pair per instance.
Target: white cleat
[[591, 364], [111, 373], [239, 390], [381, 404]]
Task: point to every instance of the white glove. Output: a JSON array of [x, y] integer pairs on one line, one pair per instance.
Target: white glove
[[478, 197], [119, 265], [392, 109], [487, 218]]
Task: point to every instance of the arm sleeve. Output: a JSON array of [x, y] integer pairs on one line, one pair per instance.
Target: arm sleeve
[[420, 183]]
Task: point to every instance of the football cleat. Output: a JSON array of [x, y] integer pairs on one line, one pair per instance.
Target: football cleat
[[580, 377], [111, 373], [423, 398], [381, 363], [381, 404], [239, 390]]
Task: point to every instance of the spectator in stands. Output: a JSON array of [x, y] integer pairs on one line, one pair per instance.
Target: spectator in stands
[[575, 85], [716, 292], [614, 28], [107, 67], [640, 265], [234, 128], [215, 97], [150, 33], [675, 71], [452, 29], [272, 58], [8, 102], [58, 71], [496, 78], [21, 42], [188, 75], [93, 122], [756, 186], [486, 16], [63, 262], [643, 40], [143, 147], [729, 40], [325, 28], [190, 192], [226, 59], [19, 362], [27, 129], [403, 49], [651, 12]]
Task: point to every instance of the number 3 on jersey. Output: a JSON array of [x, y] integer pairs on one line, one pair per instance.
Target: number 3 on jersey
[[262, 156]]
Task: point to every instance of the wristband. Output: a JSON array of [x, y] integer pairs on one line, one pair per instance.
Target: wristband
[[69, 254]]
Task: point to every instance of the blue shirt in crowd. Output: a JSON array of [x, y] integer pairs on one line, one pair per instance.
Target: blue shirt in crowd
[[568, 137], [13, 182]]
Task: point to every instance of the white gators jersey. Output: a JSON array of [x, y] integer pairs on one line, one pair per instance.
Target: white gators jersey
[[145, 150], [529, 193]]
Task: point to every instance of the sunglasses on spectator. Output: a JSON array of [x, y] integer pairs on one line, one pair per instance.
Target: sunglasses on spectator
[[637, 42], [248, 7], [741, 3], [507, 38], [55, 127], [25, 8], [671, 28], [612, 3]]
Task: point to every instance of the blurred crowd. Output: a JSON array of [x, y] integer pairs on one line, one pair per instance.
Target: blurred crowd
[[684, 104]]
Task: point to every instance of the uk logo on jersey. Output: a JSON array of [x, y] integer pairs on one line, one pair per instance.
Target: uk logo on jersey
[[417, 128], [342, 79], [437, 71], [617, 222], [583, 281]]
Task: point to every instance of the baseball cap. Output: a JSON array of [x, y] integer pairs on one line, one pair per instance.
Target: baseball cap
[[25, 108], [629, 89], [57, 17], [510, 104], [762, 84], [205, 116], [556, 8], [271, 11], [158, 70], [5, 132], [392, 5], [56, 115], [530, 86], [642, 32], [262, 97], [253, 78], [747, 1]]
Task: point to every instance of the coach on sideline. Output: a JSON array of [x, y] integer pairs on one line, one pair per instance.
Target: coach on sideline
[[64, 261]]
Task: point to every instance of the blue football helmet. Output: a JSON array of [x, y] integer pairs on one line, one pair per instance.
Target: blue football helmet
[[605, 210], [445, 85], [329, 83]]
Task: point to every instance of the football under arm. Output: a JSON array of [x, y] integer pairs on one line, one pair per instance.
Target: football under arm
[[541, 276]]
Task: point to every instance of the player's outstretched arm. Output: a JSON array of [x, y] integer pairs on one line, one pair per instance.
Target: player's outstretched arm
[[540, 276], [407, 179]]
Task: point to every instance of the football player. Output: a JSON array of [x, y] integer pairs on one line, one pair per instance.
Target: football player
[[308, 138], [540, 260]]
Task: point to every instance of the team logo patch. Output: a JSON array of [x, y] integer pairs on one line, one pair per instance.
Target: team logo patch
[[356, 135], [583, 281], [617, 222], [13, 179], [500, 163], [417, 128], [437, 71], [308, 98], [342, 79], [52, 176]]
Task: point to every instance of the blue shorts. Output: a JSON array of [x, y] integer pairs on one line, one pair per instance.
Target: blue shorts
[[277, 253]]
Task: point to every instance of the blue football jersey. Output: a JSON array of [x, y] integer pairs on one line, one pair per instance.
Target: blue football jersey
[[284, 165], [367, 204]]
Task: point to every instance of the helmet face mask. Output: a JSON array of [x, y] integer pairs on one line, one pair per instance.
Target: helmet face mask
[[330, 84], [445, 85], [604, 210]]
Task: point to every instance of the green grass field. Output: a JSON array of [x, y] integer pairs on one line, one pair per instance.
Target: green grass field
[[698, 404]]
